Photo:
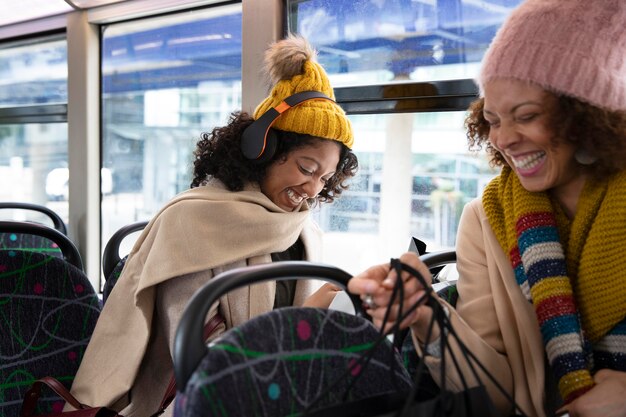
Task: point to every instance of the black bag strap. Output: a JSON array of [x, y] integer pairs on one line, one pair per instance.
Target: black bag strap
[[446, 331]]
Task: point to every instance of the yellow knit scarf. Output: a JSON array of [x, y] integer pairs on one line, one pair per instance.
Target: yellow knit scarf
[[596, 248]]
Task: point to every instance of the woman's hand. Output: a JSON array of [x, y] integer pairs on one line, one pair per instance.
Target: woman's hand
[[607, 398], [378, 282], [322, 297]]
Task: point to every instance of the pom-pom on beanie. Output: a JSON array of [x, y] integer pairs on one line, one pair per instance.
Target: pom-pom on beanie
[[570, 47], [292, 68]]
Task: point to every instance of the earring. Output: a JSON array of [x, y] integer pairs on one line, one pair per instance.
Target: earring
[[583, 157]]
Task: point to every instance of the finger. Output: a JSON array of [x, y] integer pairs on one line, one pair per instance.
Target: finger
[[411, 259], [394, 311], [410, 319], [602, 375], [368, 282], [405, 323], [329, 286], [410, 287], [384, 298], [363, 286], [562, 411]]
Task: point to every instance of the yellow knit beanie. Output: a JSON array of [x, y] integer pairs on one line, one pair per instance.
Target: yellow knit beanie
[[291, 66]]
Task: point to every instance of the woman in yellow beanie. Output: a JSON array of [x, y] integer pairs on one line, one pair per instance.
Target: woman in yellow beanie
[[540, 256], [244, 208]]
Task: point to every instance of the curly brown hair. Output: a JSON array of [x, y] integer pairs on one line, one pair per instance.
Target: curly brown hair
[[218, 155], [600, 132]]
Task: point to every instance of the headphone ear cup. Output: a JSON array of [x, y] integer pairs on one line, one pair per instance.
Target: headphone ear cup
[[259, 141], [251, 144], [271, 143]]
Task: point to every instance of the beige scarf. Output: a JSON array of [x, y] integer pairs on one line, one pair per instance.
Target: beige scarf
[[198, 230]]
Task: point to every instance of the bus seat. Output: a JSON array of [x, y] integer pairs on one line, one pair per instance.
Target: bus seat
[[112, 262], [287, 361], [49, 310], [27, 241], [35, 237], [49, 214], [435, 261]]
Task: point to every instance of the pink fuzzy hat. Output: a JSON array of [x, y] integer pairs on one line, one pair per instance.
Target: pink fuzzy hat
[[570, 47]]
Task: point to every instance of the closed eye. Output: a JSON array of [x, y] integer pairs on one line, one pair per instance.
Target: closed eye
[[494, 123], [305, 171], [527, 117]]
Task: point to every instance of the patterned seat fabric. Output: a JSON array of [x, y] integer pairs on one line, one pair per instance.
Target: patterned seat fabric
[[111, 280], [449, 293], [112, 264], [279, 363], [28, 242], [48, 310], [37, 215]]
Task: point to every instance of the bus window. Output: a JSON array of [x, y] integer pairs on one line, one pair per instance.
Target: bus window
[[165, 80], [414, 184], [33, 110], [402, 70]]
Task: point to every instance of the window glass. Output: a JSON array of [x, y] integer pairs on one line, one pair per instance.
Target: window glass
[[33, 165], [33, 152], [33, 73], [165, 80], [379, 41], [415, 175]]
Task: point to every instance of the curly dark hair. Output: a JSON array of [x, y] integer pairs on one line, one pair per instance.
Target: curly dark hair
[[600, 132], [218, 155]]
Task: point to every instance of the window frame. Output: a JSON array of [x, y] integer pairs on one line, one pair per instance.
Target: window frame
[[408, 97], [34, 113]]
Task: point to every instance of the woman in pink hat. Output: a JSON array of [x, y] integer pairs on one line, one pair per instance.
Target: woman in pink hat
[[542, 294]]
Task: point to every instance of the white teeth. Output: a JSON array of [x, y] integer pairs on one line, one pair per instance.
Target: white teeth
[[528, 161], [295, 198]]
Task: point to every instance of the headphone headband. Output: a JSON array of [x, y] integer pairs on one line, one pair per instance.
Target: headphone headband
[[254, 140]]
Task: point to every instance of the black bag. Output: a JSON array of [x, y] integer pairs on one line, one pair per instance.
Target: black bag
[[471, 401], [426, 399]]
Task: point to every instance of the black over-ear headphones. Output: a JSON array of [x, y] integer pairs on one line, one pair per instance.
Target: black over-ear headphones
[[258, 141]]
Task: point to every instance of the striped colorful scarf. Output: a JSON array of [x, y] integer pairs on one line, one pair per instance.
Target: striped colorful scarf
[[576, 284]]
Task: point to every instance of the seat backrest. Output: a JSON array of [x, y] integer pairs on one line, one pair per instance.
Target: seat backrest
[[111, 280], [445, 289], [34, 237], [284, 362], [112, 262], [48, 311], [35, 214], [57, 221], [436, 261], [281, 362]]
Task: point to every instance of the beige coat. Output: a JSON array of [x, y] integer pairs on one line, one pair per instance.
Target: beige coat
[[494, 320], [200, 233]]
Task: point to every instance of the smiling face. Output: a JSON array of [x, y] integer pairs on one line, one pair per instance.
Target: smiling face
[[302, 174], [518, 115]]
